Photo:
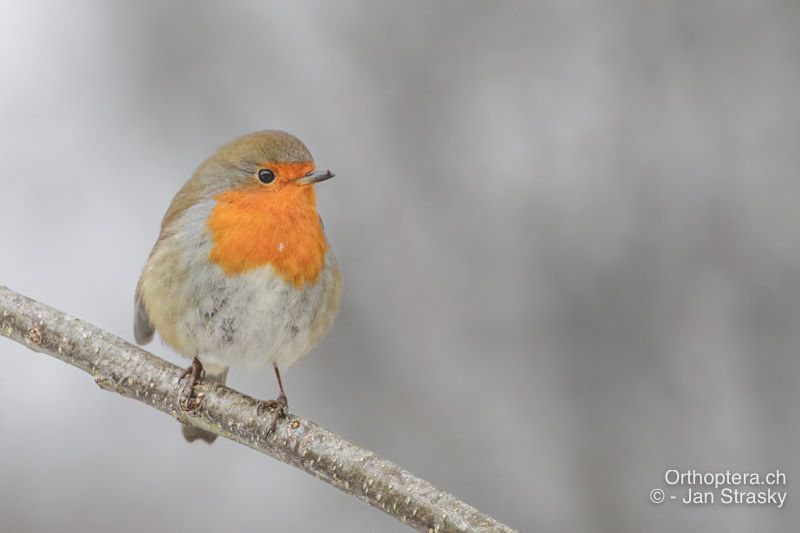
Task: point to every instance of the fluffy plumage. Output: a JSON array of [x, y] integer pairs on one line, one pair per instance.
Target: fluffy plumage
[[241, 273]]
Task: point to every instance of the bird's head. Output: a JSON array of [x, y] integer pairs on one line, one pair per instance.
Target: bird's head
[[263, 210], [265, 163]]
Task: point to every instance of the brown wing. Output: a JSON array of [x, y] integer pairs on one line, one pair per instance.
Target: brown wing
[[142, 329], [187, 196]]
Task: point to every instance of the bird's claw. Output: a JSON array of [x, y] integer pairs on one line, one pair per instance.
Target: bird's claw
[[279, 407], [188, 400]]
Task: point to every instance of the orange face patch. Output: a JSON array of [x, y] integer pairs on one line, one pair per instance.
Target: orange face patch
[[288, 171], [274, 225]]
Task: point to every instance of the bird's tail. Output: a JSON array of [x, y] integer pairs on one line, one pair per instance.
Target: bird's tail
[[214, 374]]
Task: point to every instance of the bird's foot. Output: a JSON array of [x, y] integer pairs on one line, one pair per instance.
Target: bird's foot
[[188, 399], [279, 408]]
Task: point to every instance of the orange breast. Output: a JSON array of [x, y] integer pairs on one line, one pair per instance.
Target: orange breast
[[251, 228]]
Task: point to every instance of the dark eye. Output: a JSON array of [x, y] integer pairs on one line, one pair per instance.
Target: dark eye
[[265, 175]]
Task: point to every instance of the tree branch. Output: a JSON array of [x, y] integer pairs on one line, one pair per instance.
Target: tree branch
[[121, 367]]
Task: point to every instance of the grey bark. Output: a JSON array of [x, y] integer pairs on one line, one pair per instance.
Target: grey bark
[[121, 367]]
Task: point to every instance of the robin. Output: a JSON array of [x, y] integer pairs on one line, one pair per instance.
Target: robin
[[242, 273]]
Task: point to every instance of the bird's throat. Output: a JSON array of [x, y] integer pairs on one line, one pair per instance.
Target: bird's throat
[[253, 229]]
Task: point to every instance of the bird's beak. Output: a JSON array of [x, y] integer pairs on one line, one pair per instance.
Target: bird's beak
[[315, 177]]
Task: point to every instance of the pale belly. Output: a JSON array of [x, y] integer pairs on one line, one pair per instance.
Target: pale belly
[[255, 318]]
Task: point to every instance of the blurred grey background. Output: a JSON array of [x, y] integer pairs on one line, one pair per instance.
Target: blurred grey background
[[568, 230]]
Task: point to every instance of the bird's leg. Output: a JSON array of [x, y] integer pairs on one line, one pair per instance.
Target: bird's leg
[[188, 400], [279, 406]]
